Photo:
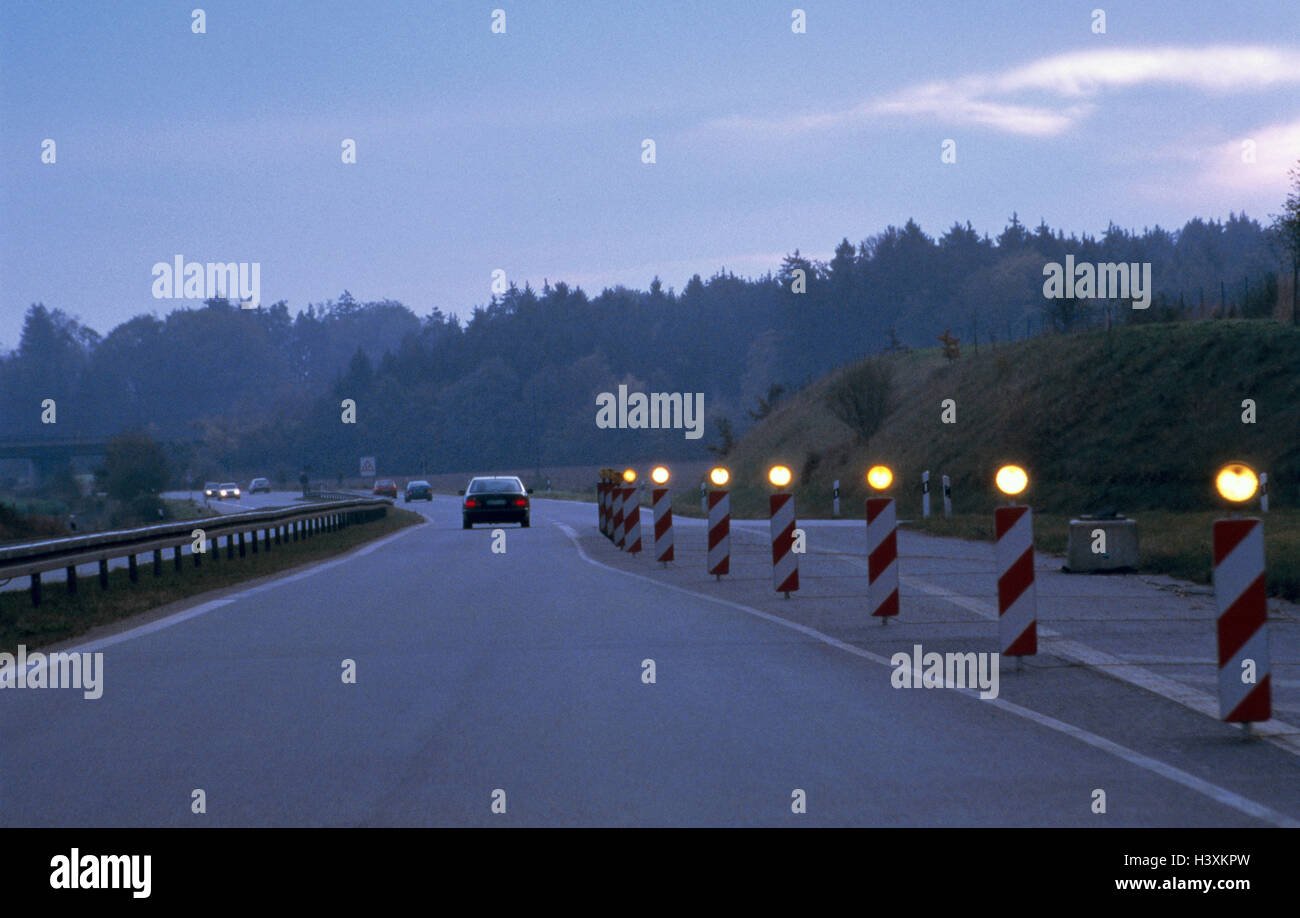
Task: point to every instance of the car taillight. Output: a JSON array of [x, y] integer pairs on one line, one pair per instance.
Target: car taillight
[[521, 502], [471, 503]]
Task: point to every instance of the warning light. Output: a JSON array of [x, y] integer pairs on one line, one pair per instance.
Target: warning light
[[1237, 482], [1011, 480], [719, 476], [629, 475], [659, 475], [779, 475], [880, 477]]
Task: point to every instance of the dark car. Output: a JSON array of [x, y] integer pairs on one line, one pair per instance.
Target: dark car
[[259, 484], [386, 488], [418, 490], [495, 500]]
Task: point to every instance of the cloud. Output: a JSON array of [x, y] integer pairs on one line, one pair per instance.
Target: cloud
[[1276, 149], [1070, 84]]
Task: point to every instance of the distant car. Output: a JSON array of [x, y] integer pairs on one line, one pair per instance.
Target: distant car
[[228, 489], [418, 490], [210, 489], [495, 500], [386, 488], [259, 484]]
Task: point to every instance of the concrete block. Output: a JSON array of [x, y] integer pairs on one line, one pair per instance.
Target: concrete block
[[1121, 545]]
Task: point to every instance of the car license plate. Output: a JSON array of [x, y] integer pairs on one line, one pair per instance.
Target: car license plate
[[496, 503]]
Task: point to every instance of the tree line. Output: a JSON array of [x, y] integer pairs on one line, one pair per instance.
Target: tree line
[[515, 381]]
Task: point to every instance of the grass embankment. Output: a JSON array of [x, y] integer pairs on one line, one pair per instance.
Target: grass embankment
[[60, 616], [1137, 419]]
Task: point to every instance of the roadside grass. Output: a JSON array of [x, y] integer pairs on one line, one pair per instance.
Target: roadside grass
[[60, 616], [1173, 543], [186, 509], [1137, 419]]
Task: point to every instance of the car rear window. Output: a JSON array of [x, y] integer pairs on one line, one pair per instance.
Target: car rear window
[[510, 485]]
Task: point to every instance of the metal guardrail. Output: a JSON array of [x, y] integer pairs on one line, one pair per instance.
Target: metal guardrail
[[284, 524], [322, 494]]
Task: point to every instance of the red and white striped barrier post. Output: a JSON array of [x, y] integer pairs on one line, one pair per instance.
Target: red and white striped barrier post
[[609, 510], [1241, 602], [632, 519], [882, 547], [719, 525], [785, 563], [1017, 595], [600, 505], [662, 512], [1240, 598], [618, 494]]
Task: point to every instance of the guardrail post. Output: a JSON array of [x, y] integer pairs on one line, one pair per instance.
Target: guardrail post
[[253, 537], [197, 556], [71, 574], [103, 573], [36, 589], [266, 539], [157, 562], [132, 570], [293, 529], [230, 546], [176, 558], [278, 529], [241, 544]]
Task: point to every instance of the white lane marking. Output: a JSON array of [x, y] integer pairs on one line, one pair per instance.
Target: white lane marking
[[1219, 794], [204, 608]]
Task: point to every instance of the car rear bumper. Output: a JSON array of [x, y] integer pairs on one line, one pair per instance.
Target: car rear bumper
[[495, 515]]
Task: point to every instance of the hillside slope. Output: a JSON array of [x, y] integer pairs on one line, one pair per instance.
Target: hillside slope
[[1135, 418]]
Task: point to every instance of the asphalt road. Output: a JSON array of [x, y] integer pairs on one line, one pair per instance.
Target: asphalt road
[[523, 672]]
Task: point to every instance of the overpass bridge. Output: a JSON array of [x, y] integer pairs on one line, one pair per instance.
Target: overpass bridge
[[43, 454]]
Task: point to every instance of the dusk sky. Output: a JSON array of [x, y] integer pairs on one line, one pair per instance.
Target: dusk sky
[[523, 151]]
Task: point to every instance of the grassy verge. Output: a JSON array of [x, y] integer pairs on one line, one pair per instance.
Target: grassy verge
[[186, 509], [1177, 544], [60, 616]]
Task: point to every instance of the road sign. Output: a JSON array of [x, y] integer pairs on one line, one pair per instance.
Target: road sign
[[367, 466]]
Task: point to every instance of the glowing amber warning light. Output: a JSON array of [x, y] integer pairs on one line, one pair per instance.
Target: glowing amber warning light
[[1011, 480], [880, 477], [659, 475], [779, 475], [1237, 482], [719, 476], [629, 475]]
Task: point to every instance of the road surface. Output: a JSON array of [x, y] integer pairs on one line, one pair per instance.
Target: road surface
[[522, 672]]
